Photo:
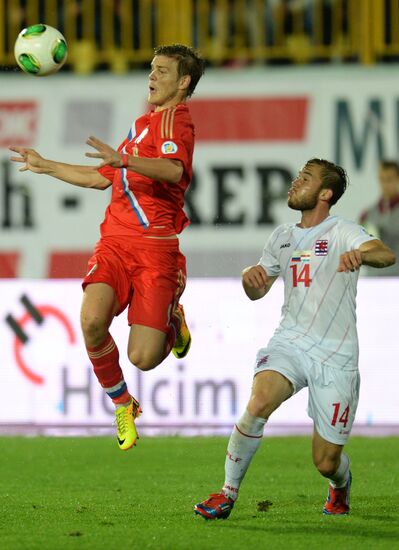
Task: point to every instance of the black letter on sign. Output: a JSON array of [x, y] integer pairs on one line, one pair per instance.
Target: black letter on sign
[[224, 195], [346, 141], [84, 391], [281, 178], [10, 206], [189, 202]]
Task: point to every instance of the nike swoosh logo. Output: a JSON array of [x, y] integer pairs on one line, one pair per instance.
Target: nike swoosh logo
[[121, 441]]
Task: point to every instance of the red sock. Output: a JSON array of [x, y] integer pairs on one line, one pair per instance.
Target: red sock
[[105, 361]]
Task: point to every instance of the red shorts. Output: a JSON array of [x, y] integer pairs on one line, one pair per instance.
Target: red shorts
[[148, 275]]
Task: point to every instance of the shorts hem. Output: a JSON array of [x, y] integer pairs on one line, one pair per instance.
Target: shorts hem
[[344, 438], [164, 329]]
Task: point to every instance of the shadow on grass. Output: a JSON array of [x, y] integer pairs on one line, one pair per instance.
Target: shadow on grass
[[333, 529]]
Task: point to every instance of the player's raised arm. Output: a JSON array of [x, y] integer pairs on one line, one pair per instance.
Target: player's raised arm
[[372, 253], [256, 282], [82, 176]]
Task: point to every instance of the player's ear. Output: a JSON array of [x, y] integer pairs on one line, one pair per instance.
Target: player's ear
[[326, 194], [185, 82]]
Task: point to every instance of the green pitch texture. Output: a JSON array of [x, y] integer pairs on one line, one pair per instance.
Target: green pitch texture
[[78, 493]]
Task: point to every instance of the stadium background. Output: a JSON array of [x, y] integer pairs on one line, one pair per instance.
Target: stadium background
[[285, 81]]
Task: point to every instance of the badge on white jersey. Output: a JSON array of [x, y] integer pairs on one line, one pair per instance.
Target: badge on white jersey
[[169, 147], [321, 247]]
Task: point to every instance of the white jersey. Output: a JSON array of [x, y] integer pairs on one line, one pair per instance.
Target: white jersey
[[319, 310]]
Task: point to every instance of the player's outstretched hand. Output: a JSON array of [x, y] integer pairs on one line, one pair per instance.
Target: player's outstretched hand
[[350, 261], [108, 155], [30, 158]]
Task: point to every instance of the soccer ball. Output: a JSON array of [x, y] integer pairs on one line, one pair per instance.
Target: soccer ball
[[40, 50]]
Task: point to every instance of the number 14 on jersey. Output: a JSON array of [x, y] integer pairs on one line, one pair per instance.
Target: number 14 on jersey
[[300, 274]]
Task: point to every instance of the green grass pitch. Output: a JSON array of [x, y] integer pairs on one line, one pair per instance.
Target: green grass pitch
[[83, 493]]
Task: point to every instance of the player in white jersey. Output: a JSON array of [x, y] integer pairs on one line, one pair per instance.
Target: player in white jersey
[[316, 343]]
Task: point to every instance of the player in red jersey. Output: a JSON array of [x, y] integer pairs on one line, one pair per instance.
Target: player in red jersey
[[137, 262]]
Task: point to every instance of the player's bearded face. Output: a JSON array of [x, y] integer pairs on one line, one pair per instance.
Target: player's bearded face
[[303, 200], [163, 82], [304, 192]]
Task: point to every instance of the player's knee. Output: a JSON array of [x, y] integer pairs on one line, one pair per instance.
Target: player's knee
[[94, 330], [327, 466], [260, 405], [143, 360]]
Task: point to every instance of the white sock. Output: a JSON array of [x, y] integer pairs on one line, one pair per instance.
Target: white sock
[[243, 444], [340, 478]]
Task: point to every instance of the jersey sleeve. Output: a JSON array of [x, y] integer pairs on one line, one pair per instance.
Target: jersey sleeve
[[108, 172], [174, 138], [354, 235], [269, 260]]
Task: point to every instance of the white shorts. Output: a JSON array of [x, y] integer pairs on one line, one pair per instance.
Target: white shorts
[[333, 393]]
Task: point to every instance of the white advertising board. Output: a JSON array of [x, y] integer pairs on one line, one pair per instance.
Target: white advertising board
[[45, 370]]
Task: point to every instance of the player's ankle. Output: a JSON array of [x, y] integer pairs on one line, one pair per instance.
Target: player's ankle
[[124, 404], [230, 491]]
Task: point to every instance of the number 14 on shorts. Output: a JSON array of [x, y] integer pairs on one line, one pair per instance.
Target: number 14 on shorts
[[340, 416]]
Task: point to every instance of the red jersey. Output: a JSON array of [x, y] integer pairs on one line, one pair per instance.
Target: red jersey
[[141, 205]]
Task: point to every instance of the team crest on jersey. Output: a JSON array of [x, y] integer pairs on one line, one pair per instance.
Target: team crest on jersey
[[168, 147], [321, 247]]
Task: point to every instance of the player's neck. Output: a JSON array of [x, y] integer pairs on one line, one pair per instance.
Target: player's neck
[[310, 218], [168, 104]]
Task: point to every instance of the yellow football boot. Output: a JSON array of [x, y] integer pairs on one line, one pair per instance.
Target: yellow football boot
[[126, 429]]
